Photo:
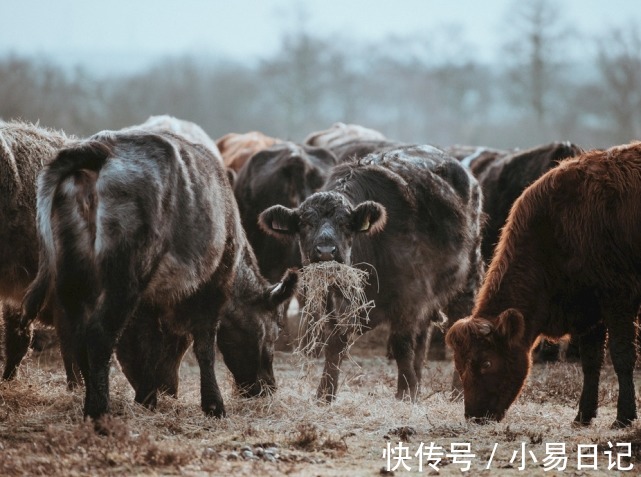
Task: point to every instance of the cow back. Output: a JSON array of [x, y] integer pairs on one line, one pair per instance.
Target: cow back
[[506, 177], [433, 218]]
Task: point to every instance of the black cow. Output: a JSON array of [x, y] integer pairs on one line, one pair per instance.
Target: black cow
[[506, 177], [413, 215], [286, 174], [138, 220]]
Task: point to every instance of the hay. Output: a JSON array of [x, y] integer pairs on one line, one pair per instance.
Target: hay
[[320, 320]]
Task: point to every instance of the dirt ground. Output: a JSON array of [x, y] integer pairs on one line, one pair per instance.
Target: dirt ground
[[42, 430]]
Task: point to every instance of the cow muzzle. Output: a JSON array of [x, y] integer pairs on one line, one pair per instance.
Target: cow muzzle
[[324, 253]]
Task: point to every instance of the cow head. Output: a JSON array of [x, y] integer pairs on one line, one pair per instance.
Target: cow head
[[248, 329], [326, 224], [493, 360]]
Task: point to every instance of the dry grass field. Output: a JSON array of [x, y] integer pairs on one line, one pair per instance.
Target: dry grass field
[[42, 430]]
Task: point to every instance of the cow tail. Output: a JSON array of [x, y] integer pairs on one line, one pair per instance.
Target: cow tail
[[83, 161]]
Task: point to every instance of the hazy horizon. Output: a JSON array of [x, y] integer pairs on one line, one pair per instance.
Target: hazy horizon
[[124, 36]]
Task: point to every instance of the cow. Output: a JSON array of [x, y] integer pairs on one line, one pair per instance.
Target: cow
[[568, 261], [412, 214], [505, 177], [286, 174], [24, 149], [135, 220], [237, 148], [190, 131], [339, 134]]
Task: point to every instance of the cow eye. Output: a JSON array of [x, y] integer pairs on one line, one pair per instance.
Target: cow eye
[[486, 365]]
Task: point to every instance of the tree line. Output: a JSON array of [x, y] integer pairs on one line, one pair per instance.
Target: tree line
[[420, 89]]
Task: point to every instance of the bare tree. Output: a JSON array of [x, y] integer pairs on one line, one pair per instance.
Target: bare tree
[[619, 63], [533, 52]]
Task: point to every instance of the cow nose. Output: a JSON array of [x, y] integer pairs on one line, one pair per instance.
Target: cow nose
[[325, 252]]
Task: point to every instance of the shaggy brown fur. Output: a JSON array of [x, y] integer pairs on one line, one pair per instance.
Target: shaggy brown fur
[[568, 261], [24, 149]]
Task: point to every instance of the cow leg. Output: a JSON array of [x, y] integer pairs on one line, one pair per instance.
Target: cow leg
[[422, 340], [592, 346], [105, 324], [66, 337], [174, 348], [623, 337], [211, 399], [334, 353], [405, 355], [16, 340]]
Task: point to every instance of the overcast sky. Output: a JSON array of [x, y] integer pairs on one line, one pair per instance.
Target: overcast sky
[[70, 31]]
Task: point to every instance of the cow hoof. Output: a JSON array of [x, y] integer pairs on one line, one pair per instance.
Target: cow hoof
[[325, 398], [215, 411], [583, 419], [405, 395]]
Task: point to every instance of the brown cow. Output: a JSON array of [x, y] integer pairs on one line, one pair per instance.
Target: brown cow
[[24, 150], [236, 148], [568, 261]]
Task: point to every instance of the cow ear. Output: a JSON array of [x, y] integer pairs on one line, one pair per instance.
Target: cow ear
[[511, 325], [279, 221], [369, 217], [285, 289]]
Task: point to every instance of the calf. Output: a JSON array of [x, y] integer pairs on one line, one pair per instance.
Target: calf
[[134, 220], [568, 261], [412, 214], [24, 149]]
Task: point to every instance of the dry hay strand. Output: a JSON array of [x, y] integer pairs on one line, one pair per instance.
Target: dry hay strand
[[320, 319]]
